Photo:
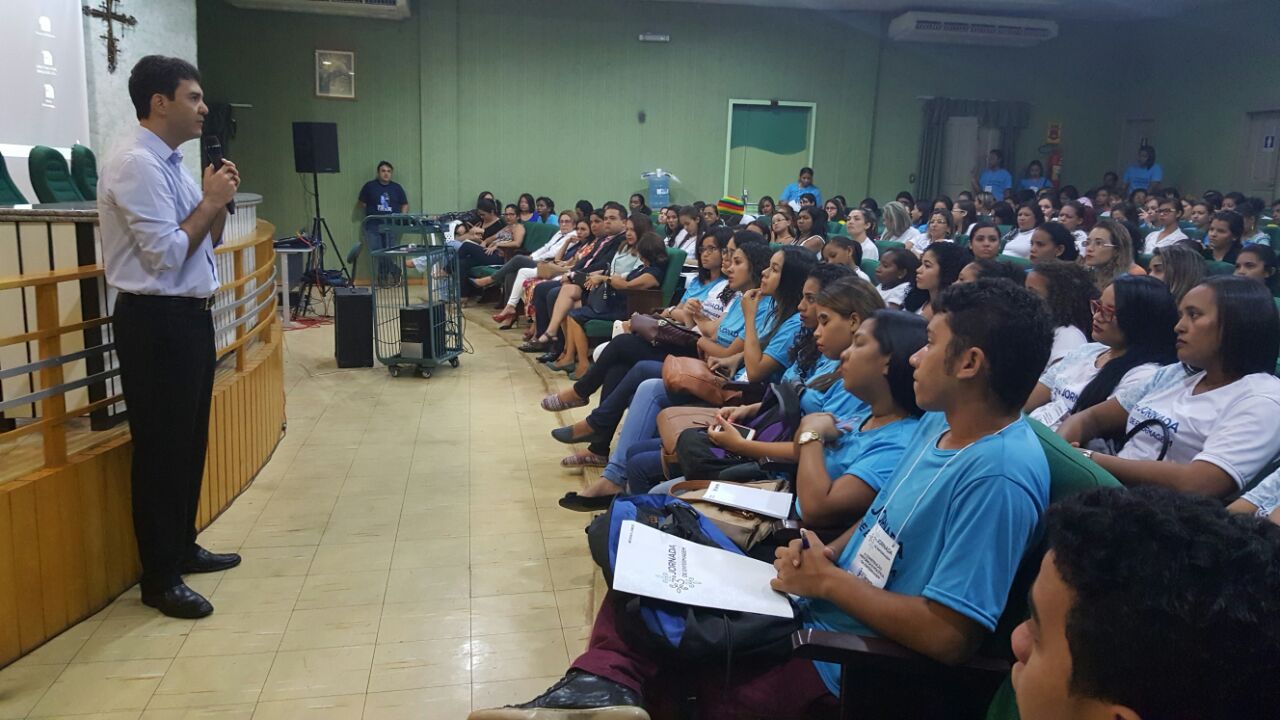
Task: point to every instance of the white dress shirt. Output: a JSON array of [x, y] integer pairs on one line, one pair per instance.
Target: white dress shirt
[[547, 252], [143, 195]]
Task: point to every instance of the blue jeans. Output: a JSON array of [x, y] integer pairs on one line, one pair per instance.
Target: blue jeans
[[641, 424], [644, 466]]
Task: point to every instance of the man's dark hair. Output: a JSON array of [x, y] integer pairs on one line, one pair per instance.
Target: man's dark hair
[[387, 165], [1248, 328], [1175, 607], [1012, 327], [999, 156], [804, 170], [812, 198], [623, 212], [157, 74]]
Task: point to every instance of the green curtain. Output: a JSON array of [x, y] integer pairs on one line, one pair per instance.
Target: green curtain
[[1010, 117]]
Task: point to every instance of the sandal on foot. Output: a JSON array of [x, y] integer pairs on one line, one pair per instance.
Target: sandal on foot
[[533, 346], [567, 367], [585, 503], [584, 459], [553, 403]]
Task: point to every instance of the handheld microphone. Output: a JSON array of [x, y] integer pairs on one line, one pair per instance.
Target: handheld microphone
[[213, 149]]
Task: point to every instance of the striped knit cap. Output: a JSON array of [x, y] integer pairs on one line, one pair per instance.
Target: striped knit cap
[[730, 205]]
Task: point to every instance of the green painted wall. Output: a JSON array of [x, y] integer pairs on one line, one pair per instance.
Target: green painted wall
[[543, 96], [1226, 66]]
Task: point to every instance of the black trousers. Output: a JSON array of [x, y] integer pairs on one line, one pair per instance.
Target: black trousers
[[166, 351]]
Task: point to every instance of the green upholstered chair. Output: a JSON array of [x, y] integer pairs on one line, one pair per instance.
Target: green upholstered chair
[[535, 236], [9, 192], [1004, 229], [962, 240], [1193, 232], [1015, 261], [645, 300], [882, 679], [869, 267], [1273, 232], [84, 171], [883, 245], [1213, 267], [50, 176], [1144, 261]]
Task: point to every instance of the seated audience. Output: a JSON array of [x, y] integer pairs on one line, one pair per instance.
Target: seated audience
[[897, 226], [973, 459], [811, 229], [940, 266], [526, 209], [546, 208], [783, 230], [843, 250], [702, 292], [636, 205], [1132, 338], [1251, 210], [1168, 212], [860, 225], [987, 269], [765, 207], [1033, 177], [984, 241], [1257, 262], [1201, 214], [556, 255], [1068, 290], [1052, 241], [1017, 242], [1131, 580], [1180, 267], [1077, 218], [1108, 253], [941, 227], [1224, 238], [895, 276], [1211, 416], [495, 248], [964, 215], [624, 275]]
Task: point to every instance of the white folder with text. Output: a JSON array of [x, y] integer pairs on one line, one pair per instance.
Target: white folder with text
[[657, 565], [762, 502]]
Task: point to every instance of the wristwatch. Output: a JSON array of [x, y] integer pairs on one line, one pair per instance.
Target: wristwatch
[[1088, 454], [807, 437]]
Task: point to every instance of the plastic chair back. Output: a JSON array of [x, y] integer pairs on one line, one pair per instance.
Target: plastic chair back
[[50, 176], [84, 171]]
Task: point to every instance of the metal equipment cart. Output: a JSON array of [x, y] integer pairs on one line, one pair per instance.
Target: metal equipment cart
[[417, 306]]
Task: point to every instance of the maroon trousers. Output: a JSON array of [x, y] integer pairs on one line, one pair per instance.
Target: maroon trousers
[[782, 691]]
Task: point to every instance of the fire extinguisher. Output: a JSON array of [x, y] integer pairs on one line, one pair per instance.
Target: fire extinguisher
[[1055, 166]]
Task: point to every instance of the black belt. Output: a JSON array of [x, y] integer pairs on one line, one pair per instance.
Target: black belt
[[186, 302]]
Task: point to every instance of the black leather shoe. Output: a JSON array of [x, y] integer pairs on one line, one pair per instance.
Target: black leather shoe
[[203, 561], [178, 601], [565, 435], [576, 695], [583, 503]]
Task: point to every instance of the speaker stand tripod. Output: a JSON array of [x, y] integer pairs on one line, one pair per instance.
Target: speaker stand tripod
[[319, 232]]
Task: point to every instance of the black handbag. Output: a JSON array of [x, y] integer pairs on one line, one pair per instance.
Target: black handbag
[[599, 299]]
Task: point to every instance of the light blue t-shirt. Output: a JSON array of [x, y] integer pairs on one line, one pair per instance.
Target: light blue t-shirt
[[697, 289], [794, 191], [995, 182], [870, 455], [1036, 184], [779, 344], [1138, 177], [963, 520], [732, 323]]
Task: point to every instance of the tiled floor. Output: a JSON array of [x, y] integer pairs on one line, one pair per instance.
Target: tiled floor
[[404, 557]]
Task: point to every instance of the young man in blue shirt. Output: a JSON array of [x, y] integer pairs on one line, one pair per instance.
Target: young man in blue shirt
[[931, 564], [792, 193], [995, 179]]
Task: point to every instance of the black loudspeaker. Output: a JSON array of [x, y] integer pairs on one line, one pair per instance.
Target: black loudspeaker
[[315, 147], [353, 326]]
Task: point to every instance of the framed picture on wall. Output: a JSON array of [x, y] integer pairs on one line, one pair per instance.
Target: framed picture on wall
[[336, 74]]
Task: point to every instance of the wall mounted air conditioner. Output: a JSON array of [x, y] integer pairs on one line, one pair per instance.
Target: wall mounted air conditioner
[[916, 26], [376, 9]]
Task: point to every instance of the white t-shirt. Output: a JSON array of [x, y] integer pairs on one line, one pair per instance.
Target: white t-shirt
[[1065, 339], [1258, 238], [1154, 240], [908, 237], [1266, 494], [869, 250], [1068, 378], [1081, 238], [922, 243], [1232, 427], [548, 252], [1019, 245], [895, 295], [712, 306]]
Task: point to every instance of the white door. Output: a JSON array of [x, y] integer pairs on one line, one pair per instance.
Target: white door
[[964, 153], [1261, 153], [1135, 133]]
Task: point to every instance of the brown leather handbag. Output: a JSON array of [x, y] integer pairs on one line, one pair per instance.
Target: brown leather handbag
[[674, 420], [743, 527], [691, 376], [660, 331]]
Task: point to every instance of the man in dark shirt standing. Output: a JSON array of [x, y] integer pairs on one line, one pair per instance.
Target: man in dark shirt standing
[[381, 196]]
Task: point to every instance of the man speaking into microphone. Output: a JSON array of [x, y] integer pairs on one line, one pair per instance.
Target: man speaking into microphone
[[159, 230]]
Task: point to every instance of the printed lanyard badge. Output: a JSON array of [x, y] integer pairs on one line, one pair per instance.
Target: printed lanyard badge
[[875, 557]]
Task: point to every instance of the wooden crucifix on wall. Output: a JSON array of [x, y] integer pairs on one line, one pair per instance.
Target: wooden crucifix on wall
[[108, 11]]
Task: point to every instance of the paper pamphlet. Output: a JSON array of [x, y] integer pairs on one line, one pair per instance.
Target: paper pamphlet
[[762, 502], [657, 565]]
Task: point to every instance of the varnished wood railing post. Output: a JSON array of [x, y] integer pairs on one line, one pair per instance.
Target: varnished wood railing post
[[53, 407], [238, 260]]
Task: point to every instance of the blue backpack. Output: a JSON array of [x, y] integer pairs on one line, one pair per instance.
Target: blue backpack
[[690, 633]]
